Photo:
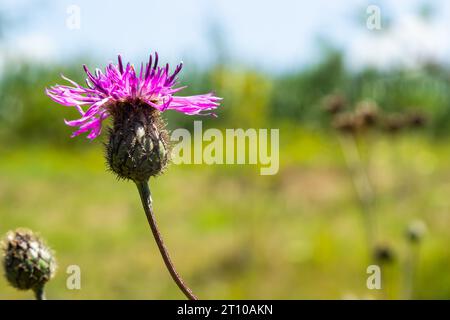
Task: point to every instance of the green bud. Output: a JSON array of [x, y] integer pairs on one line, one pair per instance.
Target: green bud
[[27, 261]]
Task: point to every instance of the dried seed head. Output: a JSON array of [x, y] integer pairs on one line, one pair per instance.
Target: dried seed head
[[383, 253], [416, 230], [346, 123], [28, 262], [416, 119], [334, 103], [367, 113], [394, 123], [138, 146]]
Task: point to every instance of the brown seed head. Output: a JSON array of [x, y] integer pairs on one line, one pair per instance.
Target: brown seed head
[[346, 123], [367, 113], [416, 119], [394, 123], [334, 103]]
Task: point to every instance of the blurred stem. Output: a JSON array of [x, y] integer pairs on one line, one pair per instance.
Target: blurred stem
[[367, 142], [361, 183], [39, 293], [146, 198], [410, 266], [402, 168], [386, 278]]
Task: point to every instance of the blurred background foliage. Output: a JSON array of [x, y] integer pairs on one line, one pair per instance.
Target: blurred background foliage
[[254, 99], [233, 233]]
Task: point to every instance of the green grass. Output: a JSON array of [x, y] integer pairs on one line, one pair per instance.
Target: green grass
[[231, 232]]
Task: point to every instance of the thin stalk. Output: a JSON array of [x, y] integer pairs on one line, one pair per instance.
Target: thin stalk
[[410, 268], [146, 198], [362, 185], [39, 293]]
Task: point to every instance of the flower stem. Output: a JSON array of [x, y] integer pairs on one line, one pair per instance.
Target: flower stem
[[39, 293], [362, 184], [146, 198], [409, 271]]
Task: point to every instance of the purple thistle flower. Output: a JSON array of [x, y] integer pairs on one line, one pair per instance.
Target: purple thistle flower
[[138, 146], [154, 86]]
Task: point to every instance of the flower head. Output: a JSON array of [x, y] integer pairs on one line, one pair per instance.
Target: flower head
[[152, 87]]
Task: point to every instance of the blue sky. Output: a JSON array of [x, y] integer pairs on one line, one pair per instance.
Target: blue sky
[[272, 35]]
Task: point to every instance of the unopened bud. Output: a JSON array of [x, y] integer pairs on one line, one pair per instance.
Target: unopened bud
[[383, 253], [416, 230], [28, 262]]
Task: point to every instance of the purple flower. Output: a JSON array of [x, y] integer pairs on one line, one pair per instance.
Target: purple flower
[[153, 86]]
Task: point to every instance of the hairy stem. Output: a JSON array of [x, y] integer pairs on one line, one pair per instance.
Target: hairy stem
[[146, 198]]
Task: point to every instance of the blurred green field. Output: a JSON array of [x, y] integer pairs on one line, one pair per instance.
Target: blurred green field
[[231, 232]]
